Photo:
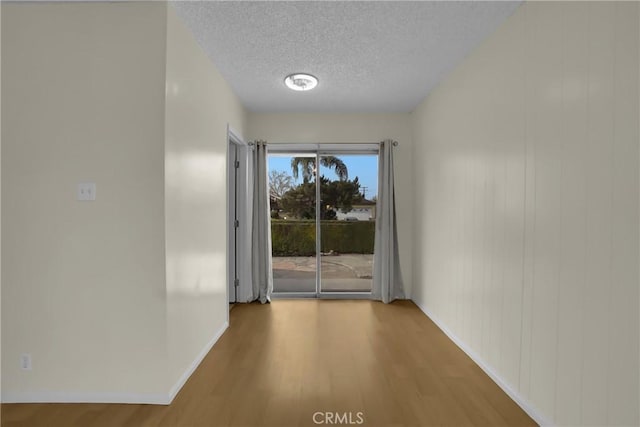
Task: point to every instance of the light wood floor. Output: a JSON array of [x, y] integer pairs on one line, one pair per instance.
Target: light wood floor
[[278, 364]]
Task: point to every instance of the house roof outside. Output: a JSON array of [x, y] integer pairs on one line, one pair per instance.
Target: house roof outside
[[364, 202]]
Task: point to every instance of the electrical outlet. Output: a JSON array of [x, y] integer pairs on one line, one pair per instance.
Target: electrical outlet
[[25, 362], [86, 191]]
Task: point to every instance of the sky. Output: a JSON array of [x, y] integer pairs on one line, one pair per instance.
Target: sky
[[365, 167]]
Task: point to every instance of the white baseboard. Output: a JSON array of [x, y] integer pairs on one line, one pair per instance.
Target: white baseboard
[[187, 374], [514, 395], [85, 397], [114, 397]]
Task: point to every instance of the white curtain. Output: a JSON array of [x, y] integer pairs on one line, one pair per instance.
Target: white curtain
[[387, 278], [261, 273]]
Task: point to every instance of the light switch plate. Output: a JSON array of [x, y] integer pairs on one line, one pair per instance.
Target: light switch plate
[[86, 191], [25, 361]]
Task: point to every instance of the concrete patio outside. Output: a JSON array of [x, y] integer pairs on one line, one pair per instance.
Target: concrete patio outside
[[339, 273]]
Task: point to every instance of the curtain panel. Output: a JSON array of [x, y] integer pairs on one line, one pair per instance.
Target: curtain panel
[[261, 269], [387, 278]]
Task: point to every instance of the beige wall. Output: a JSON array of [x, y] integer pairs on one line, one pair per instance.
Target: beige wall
[[353, 128], [199, 105], [116, 299], [0, 206], [526, 245], [84, 282]]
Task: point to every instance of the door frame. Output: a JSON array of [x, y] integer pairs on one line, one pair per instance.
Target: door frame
[[322, 149], [239, 177]]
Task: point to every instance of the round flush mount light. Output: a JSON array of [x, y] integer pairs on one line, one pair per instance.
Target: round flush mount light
[[301, 81]]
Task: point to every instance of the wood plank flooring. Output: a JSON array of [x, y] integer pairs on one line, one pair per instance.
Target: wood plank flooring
[[280, 363]]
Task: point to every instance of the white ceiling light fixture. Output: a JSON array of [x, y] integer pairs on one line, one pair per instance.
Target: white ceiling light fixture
[[301, 81]]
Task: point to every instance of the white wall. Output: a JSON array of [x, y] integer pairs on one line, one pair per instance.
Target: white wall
[[84, 282], [0, 205], [199, 105], [526, 246], [117, 299], [352, 128]]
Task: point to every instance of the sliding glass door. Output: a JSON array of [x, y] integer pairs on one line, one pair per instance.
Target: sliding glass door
[[322, 221], [292, 194], [347, 224]]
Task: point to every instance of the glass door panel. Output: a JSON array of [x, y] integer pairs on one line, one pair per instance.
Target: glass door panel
[[347, 221], [331, 211], [292, 194]]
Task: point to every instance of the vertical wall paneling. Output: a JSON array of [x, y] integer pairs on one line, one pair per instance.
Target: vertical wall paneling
[[623, 293], [527, 240], [572, 210], [598, 149]]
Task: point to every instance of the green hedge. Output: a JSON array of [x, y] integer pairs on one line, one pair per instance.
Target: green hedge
[[297, 237]]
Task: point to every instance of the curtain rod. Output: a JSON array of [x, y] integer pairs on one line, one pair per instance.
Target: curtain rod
[[395, 143]]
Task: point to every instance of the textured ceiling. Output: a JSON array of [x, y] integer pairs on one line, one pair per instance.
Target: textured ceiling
[[369, 56]]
